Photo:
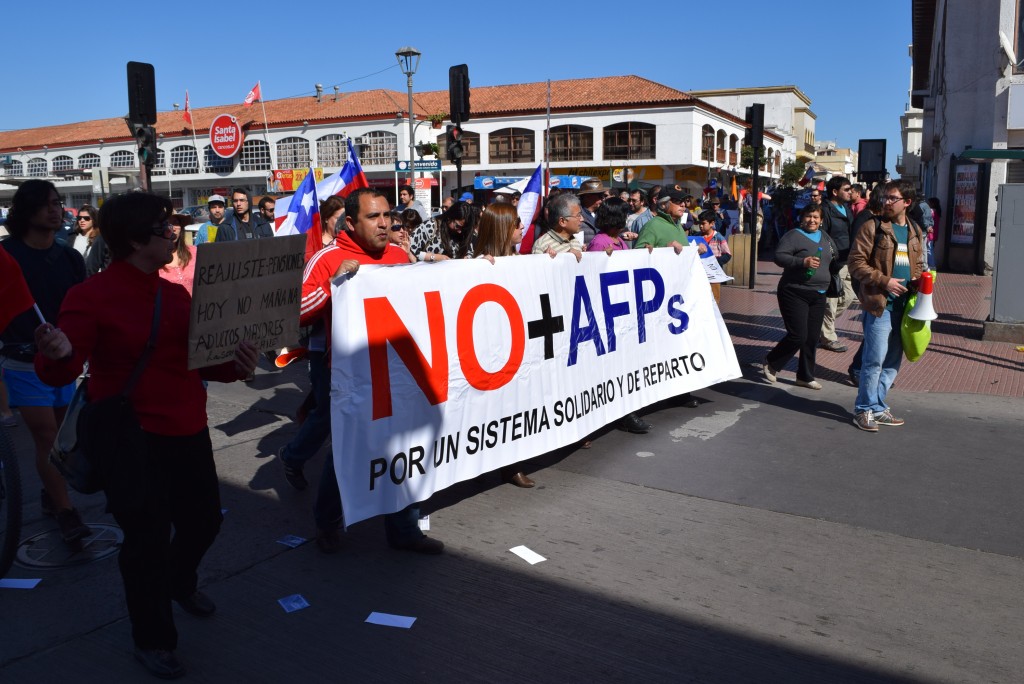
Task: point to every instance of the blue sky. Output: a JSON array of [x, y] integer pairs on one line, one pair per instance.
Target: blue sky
[[853, 64]]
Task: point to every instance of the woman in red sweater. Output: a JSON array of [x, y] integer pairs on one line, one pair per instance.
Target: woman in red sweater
[[170, 481]]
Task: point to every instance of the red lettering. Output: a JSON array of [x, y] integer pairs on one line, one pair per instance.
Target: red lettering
[[383, 326], [474, 373]]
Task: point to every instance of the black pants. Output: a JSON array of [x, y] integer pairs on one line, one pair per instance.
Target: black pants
[[802, 310], [178, 480]]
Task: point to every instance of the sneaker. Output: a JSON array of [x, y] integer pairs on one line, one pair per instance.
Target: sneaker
[[813, 384], [886, 418], [71, 526], [769, 374], [293, 473], [198, 604], [854, 377], [46, 504], [833, 346], [865, 420], [160, 663]]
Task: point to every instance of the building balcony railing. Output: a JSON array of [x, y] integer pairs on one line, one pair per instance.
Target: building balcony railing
[[720, 156], [732, 159]]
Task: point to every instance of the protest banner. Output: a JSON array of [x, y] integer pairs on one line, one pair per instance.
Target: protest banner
[[441, 372], [245, 290]]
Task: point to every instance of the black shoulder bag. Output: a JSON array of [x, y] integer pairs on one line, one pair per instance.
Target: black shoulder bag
[[835, 282], [98, 435]]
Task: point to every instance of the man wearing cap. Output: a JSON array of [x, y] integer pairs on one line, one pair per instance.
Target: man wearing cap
[[208, 231], [721, 218], [591, 195], [466, 197], [664, 231]]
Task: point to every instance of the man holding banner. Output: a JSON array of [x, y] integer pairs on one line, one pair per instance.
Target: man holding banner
[[368, 221]]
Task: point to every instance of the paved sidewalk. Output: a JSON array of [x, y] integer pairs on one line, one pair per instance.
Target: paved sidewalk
[[957, 360]]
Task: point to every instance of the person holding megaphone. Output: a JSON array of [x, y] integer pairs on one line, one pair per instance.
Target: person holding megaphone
[[887, 258]]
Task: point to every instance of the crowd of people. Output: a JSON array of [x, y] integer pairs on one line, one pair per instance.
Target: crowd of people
[[116, 299]]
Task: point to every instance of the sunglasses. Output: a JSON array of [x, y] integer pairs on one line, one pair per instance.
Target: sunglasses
[[397, 227], [85, 218]]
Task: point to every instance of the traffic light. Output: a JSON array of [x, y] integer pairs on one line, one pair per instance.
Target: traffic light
[[454, 147], [458, 93], [754, 135], [145, 139]]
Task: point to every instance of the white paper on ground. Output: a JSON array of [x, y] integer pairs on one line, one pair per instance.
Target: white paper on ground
[[290, 540], [531, 557], [389, 620], [293, 603], [11, 583]]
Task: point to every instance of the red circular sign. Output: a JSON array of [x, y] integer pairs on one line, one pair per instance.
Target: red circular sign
[[226, 136]]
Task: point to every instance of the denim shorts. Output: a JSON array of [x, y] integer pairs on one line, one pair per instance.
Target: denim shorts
[[24, 388]]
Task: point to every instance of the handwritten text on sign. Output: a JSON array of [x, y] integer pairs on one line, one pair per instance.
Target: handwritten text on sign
[[245, 290], [443, 372]]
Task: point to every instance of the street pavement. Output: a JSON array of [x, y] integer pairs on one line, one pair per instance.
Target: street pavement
[[757, 538]]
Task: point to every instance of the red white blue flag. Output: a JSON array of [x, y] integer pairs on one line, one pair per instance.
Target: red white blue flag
[[303, 211], [529, 208], [350, 178]]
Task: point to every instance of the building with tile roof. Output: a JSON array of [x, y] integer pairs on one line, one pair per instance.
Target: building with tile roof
[[612, 128]]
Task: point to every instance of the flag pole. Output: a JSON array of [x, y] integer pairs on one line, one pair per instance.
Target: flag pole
[[266, 127], [547, 146], [202, 157]]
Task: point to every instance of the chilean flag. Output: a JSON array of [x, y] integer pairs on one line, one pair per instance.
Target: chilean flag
[[529, 208], [808, 176], [350, 178], [15, 297], [303, 217]]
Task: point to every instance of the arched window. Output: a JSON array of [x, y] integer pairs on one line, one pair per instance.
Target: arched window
[[470, 147], [184, 160], [511, 146], [572, 143], [707, 137], [293, 153], [89, 160], [214, 163], [122, 159], [255, 156], [14, 168], [778, 162], [378, 147], [37, 167], [720, 147], [331, 151], [629, 140], [160, 167], [734, 149], [63, 163]]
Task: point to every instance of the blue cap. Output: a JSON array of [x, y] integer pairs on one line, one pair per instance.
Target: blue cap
[[466, 196]]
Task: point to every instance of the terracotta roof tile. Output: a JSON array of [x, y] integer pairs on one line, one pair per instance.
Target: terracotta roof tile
[[569, 95]]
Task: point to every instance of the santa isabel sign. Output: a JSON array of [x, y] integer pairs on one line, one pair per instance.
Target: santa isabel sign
[[226, 136]]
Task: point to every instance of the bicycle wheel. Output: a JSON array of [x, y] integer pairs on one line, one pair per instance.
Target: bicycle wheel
[[10, 502]]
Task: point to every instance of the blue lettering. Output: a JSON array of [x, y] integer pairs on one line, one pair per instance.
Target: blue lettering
[[612, 310], [681, 317], [588, 333], [646, 306]]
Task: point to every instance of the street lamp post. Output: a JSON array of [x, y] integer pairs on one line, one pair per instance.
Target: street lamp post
[[409, 60]]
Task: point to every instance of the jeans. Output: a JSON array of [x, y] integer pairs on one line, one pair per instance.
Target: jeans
[[802, 310], [317, 426], [401, 528], [882, 353]]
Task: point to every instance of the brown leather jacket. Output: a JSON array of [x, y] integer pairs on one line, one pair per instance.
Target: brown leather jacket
[[873, 256]]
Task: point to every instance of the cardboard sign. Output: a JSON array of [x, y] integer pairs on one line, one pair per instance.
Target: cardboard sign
[[245, 290]]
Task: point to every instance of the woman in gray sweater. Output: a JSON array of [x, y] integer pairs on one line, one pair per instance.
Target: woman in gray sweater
[[806, 254]]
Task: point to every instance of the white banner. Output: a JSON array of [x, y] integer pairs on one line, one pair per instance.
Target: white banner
[[448, 370]]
